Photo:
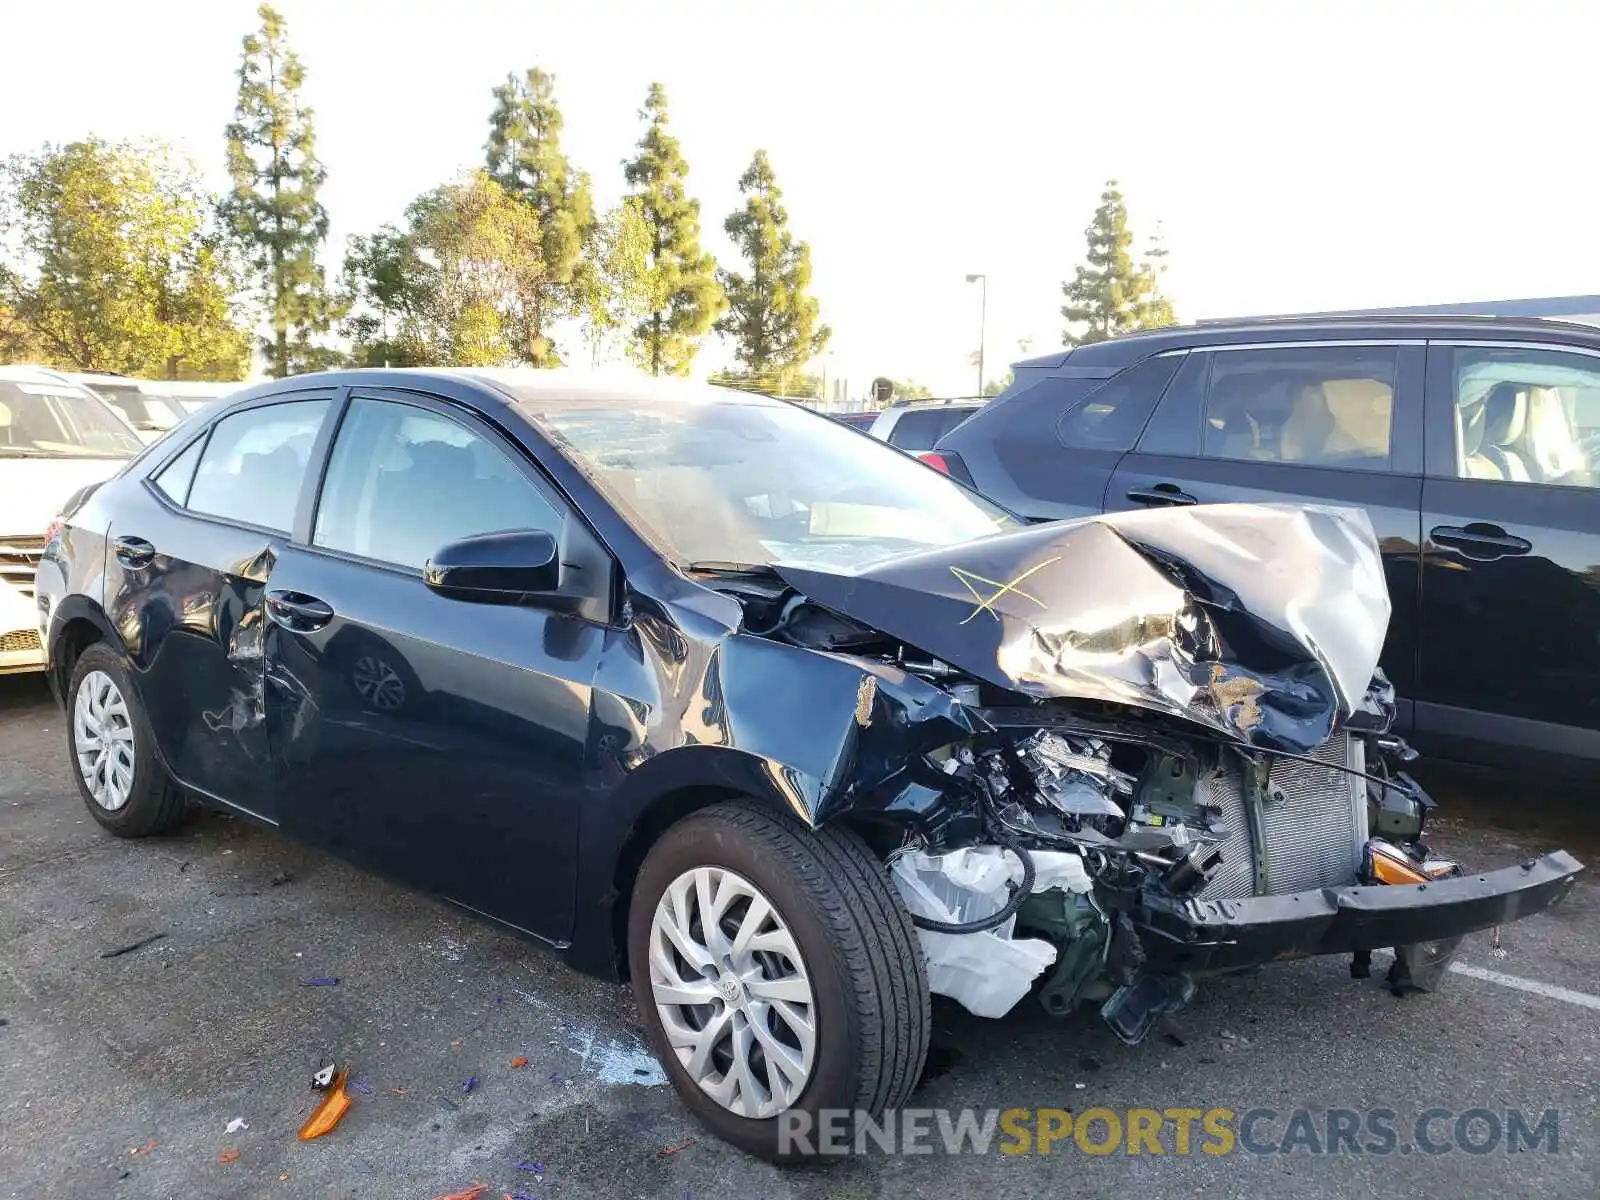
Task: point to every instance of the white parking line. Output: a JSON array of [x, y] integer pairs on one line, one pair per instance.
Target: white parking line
[[1548, 990]]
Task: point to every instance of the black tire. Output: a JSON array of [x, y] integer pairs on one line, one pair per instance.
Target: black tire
[[861, 952], [155, 803]]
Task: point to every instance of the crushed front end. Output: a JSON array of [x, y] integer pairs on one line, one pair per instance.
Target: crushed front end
[[1177, 759]]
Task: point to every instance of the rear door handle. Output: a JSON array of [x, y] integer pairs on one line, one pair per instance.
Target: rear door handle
[[133, 552], [298, 612], [1161, 495], [1480, 541]]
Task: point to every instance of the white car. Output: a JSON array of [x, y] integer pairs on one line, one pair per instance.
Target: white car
[[142, 403], [55, 437]]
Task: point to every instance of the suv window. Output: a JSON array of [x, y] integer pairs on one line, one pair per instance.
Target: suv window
[[1327, 406], [1526, 416], [921, 429], [252, 465], [403, 481], [1112, 416]]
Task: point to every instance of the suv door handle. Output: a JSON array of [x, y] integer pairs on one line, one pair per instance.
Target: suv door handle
[[1161, 495], [298, 612], [133, 552], [1480, 541]]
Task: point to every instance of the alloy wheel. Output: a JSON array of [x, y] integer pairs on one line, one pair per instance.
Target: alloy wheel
[[732, 991]]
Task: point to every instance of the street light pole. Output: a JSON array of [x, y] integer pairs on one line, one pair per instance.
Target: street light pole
[[983, 319]]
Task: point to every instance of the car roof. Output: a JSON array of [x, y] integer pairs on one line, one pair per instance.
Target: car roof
[[1135, 347], [27, 373], [526, 387]]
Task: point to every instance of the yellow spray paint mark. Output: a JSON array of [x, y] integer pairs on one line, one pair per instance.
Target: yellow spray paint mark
[[968, 578]]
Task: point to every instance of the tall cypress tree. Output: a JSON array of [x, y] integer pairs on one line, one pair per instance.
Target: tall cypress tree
[[685, 298], [1110, 293], [524, 156], [273, 210], [771, 319]]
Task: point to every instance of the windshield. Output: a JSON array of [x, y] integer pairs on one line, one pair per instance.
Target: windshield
[[50, 420], [753, 482], [139, 408]]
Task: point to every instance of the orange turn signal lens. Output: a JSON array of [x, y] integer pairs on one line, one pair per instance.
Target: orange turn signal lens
[[1389, 864], [330, 1112]]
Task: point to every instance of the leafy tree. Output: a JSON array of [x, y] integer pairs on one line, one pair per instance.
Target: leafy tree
[[909, 389], [614, 282], [994, 387], [1110, 294], [684, 297], [771, 319], [273, 210], [116, 266], [458, 285], [525, 157]]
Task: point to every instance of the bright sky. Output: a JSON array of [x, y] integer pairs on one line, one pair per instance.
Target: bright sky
[[1300, 155]]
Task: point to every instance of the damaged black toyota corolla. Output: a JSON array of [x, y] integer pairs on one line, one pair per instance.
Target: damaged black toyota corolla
[[708, 690]]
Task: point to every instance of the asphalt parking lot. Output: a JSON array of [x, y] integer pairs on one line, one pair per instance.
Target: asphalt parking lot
[[122, 1074]]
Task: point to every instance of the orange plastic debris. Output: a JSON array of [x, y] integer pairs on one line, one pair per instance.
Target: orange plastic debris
[[471, 1193], [518, 1061], [228, 1156], [330, 1112]]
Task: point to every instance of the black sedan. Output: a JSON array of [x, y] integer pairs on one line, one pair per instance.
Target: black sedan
[[704, 690]]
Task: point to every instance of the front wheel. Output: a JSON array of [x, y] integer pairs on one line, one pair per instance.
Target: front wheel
[[775, 969]]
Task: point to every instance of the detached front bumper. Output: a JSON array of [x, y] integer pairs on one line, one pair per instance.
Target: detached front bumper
[[1208, 935]]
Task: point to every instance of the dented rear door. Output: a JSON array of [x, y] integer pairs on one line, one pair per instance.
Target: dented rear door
[[189, 554]]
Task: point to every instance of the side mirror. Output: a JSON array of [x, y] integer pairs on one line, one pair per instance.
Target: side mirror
[[495, 568]]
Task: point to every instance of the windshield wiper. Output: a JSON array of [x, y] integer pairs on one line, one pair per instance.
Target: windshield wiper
[[713, 566]]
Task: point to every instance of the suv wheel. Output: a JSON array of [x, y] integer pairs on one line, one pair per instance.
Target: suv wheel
[[112, 749], [775, 968]]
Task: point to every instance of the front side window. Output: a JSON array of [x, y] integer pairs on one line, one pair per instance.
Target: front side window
[[738, 479], [1526, 416], [50, 420], [402, 481], [1322, 406], [254, 461]]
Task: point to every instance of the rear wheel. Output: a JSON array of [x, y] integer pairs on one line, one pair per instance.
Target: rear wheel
[[775, 968], [112, 749]]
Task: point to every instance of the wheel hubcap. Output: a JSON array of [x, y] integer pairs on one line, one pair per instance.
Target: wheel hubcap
[[732, 992], [102, 735]]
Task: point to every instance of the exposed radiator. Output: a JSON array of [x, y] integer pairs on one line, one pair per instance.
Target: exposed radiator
[[1315, 823]]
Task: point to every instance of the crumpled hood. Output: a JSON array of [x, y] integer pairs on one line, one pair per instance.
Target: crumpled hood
[[1263, 621]]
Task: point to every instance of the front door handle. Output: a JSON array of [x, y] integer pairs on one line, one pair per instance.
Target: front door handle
[[133, 552], [298, 612], [1480, 541], [1162, 495]]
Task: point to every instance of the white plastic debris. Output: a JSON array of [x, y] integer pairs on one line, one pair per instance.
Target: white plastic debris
[[235, 1125], [323, 1078], [988, 972]]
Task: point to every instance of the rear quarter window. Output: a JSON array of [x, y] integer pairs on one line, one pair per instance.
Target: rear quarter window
[[1112, 416]]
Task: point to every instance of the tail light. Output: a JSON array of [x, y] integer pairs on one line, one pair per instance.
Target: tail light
[[54, 528], [948, 462]]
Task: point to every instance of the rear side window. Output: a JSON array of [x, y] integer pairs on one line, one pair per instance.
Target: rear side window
[[921, 430], [254, 461], [1327, 406], [1113, 415], [174, 478]]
